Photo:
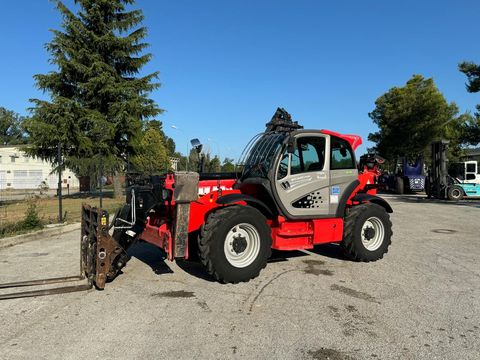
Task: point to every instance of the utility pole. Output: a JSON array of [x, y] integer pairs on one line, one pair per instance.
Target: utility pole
[[59, 161]]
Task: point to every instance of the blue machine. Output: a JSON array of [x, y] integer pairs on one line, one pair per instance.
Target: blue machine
[[413, 178], [408, 177]]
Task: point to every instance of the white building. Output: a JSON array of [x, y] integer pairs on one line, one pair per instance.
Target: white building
[[19, 171]]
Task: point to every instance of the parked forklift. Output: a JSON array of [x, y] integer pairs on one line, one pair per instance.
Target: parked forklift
[[454, 181], [296, 189], [408, 176]]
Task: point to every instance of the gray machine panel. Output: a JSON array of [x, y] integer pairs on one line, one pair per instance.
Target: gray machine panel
[[307, 193]]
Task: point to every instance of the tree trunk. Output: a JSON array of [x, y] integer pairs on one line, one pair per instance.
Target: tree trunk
[[117, 185]]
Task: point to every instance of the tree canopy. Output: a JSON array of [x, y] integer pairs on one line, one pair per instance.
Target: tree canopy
[[228, 165], [472, 71], [409, 118], [11, 132], [152, 152], [98, 99], [472, 128]]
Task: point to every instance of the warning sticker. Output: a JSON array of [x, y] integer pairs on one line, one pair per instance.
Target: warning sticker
[[333, 199], [336, 190]]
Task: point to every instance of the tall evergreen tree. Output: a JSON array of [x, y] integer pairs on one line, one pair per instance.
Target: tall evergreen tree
[[98, 99]]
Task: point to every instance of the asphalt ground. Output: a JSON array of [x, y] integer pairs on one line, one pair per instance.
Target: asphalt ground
[[422, 301]]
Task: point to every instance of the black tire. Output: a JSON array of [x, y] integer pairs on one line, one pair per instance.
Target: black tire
[[399, 186], [355, 220], [455, 193], [211, 243]]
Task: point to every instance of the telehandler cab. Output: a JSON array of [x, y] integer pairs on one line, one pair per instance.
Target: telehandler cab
[[297, 188]]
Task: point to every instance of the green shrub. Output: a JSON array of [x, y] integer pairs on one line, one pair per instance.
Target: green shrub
[[31, 220], [9, 229]]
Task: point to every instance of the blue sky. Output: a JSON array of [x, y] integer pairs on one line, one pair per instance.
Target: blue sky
[[226, 65]]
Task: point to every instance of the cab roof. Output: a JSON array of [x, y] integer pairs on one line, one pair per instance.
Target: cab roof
[[354, 140]]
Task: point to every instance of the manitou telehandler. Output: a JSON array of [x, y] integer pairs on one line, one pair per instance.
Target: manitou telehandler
[[296, 189]]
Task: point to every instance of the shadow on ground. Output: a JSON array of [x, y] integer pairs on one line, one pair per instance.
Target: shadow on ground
[[151, 256], [156, 258]]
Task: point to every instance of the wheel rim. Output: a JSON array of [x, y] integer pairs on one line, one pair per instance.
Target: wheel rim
[[242, 245], [373, 233], [456, 193]]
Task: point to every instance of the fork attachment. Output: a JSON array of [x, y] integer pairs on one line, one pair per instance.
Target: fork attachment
[[100, 251], [99, 255]]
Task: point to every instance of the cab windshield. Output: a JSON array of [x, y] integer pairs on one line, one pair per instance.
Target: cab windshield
[[260, 154]]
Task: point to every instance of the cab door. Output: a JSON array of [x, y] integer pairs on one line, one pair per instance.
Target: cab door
[[343, 171], [302, 178], [471, 172]]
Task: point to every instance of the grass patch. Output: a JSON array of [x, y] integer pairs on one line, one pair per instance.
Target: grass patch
[[24, 216]]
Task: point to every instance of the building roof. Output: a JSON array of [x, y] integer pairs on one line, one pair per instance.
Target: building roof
[[473, 152]]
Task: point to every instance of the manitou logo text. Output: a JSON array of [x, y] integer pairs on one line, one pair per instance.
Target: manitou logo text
[[208, 189]]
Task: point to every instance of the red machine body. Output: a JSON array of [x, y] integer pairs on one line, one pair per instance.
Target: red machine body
[[286, 235], [296, 188]]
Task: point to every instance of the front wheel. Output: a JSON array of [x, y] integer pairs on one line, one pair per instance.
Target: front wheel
[[235, 244], [455, 193], [367, 232]]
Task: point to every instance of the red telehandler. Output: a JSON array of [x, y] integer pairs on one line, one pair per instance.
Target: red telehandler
[[297, 188]]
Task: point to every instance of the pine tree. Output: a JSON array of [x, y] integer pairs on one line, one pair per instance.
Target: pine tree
[[98, 99], [409, 118]]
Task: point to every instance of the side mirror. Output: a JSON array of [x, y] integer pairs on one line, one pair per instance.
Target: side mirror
[[291, 145]]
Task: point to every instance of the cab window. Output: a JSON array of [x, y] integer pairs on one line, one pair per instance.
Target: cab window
[[309, 156], [342, 155], [471, 168]]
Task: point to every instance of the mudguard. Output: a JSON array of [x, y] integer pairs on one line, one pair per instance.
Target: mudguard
[[363, 198], [342, 204], [234, 198]]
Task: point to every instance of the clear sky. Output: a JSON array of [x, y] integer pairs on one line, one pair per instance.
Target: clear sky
[[227, 64]]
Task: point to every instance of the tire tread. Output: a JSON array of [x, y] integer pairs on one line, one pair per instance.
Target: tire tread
[[206, 239], [348, 243]]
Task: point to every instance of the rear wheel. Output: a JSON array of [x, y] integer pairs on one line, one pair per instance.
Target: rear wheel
[[455, 193], [235, 244], [367, 232]]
